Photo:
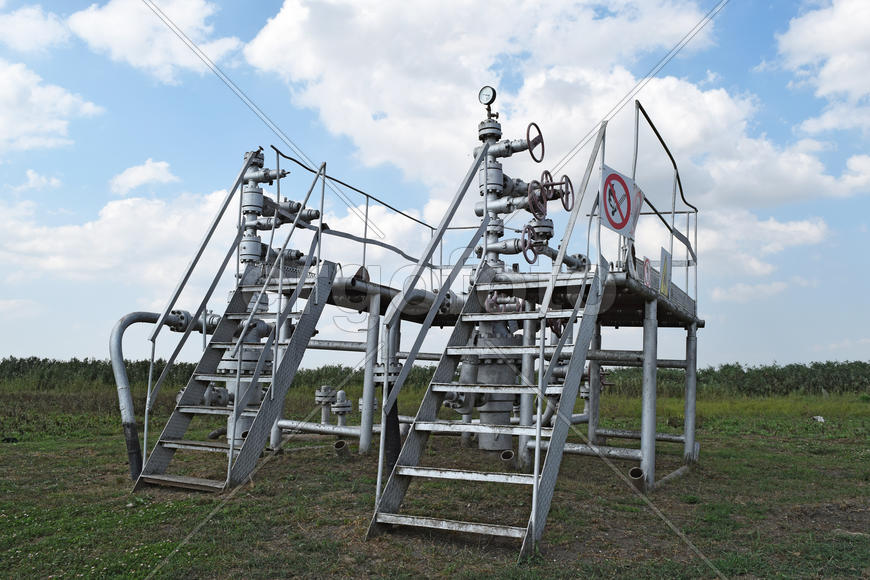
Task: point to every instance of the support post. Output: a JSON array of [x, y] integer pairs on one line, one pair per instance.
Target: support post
[[689, 453], [594, 388], [527, 401], [365, 435], [648, 412], [392, 436]]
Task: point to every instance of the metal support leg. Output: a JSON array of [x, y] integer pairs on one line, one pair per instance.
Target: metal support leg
[[392, 436], [527, 401], [689, 453], [594, 388], [648, 412], [365, 435]]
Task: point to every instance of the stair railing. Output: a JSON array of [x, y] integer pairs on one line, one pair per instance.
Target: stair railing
[[152, 391], [240, 401], [400, 302]]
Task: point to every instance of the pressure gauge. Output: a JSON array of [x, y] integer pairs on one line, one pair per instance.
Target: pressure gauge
[[486, 95]]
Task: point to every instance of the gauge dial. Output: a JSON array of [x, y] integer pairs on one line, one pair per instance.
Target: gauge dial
[[486, 95]]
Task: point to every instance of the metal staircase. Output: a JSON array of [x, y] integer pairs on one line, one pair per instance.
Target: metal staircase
[[247, 386], [464, 342]]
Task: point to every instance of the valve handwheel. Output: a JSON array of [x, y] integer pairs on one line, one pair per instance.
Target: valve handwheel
[[547, 185], [567, 193], [537, 200], [533, 142], [526, 242]]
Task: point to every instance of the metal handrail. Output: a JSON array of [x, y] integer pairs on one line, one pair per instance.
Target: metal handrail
[[691, 246], [249, 157], [274, 268], [572, 220]]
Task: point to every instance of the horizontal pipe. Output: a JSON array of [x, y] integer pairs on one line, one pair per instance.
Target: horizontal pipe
[[355, 346], [627, 434], [672, 476], [596, 450], [327, 429], [330, 429]]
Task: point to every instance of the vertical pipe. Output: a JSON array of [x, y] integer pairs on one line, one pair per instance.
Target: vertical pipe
[[540, 398], [365, 434], [528, 379], [594, 388], [392, 435], [691, 387], [648, 412], [283, 334]]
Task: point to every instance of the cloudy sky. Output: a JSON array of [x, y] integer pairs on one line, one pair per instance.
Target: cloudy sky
[[117, 145]]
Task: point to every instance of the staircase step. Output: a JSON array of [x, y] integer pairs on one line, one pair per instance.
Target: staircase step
[[493, 316], [184, 481], [452, 525], [244, 315], [229, 345], [212, 446], [465, 475], [506, 351], [206, 410], [231, 376], [288, 287], [498, 389], [443, 426]]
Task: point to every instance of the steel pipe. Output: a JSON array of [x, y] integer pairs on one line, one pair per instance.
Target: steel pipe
[[627, 434], [648, 396], [365, 440], [690, 454], [176, 320], [596, 450]]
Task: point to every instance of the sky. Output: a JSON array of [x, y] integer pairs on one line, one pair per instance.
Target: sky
[[117, 145]]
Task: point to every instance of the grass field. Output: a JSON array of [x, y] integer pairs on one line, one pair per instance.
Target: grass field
[[775, 494]]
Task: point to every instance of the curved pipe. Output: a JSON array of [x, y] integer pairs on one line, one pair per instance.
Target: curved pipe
[[177, 319], [125, 398]]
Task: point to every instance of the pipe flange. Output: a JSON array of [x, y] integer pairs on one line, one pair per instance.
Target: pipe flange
[[362, 405], [325, 395], [341, 407]]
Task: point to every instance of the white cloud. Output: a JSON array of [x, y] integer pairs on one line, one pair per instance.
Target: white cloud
[[34, 114], [400, 78], [410, 101], [30, 29], [736, 242], [828, 49], [12, 306], [143, 243], [149, 172], [130, 32], [35, 181], [742, 293]]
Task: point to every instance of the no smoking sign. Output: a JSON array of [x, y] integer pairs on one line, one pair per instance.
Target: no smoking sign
[[620, 202]]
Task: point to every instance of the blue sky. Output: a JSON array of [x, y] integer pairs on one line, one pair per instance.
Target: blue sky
[[116, 143]]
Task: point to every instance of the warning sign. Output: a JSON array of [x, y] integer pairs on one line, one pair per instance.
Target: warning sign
[[665, 280], [620, 202]]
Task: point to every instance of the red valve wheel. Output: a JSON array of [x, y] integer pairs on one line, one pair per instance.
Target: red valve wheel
[[547, 185], [526, 243], [537, 201], [567, 193], [534, 142]]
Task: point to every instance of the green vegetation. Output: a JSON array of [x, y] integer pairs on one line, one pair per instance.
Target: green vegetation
[[776, 494]]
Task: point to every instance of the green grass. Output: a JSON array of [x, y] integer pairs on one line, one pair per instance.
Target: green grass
[[776, 494]]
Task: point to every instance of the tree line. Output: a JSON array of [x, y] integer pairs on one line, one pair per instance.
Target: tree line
[[817, 378]]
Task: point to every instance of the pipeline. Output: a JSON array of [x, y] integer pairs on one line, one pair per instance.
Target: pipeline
[[177, 321]]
